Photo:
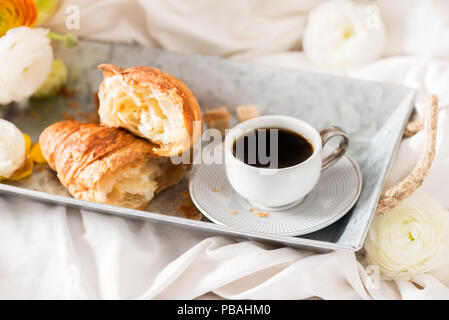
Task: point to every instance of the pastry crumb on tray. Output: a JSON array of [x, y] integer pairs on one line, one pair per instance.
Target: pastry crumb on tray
[[66, 92], [261, 214]]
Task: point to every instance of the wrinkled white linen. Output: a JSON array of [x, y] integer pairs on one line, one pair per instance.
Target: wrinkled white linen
[[416, 27], [224, 28], [50, 251], [248, 28]]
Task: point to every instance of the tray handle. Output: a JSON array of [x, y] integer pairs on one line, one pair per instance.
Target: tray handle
[[429, 121]]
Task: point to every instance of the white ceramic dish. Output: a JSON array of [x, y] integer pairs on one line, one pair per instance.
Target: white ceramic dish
[[333, 196], [272, 188]]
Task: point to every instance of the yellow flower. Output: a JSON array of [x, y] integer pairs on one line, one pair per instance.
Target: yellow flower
[[15, 13], [36, 154], [27, 142]]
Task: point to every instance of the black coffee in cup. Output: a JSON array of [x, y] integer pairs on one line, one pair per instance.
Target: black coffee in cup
[[272, 148]]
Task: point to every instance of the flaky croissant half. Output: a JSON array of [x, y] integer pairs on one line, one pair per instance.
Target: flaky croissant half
[[151, 104], [107, 165]]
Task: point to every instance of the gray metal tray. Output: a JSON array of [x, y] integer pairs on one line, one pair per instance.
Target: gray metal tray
[[374, 115]]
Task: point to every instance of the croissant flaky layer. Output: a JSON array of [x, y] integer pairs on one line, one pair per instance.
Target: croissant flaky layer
[[151, 104], [107, 165]]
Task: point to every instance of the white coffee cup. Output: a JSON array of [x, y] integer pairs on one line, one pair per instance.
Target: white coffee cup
[[271, 188]]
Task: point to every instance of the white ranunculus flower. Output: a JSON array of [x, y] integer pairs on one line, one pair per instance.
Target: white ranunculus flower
[[12, 148], [411, 239], [26, 58], [340, 33]]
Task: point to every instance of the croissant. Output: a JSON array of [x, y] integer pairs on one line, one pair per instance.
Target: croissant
[[151, 104], [107, 165]]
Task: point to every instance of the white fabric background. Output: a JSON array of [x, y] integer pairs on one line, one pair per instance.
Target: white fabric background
[[53, 252]]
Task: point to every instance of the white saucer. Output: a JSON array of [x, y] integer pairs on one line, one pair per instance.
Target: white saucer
[[334, 195]]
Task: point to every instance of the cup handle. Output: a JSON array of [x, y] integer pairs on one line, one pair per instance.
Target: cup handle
[[327, 134]]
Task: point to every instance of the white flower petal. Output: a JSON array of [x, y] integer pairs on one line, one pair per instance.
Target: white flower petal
[[411, 239], [27, 57], [340, 33], [12, 148]]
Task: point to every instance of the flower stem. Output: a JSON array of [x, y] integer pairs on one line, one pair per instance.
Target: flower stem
[[68, 39]]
